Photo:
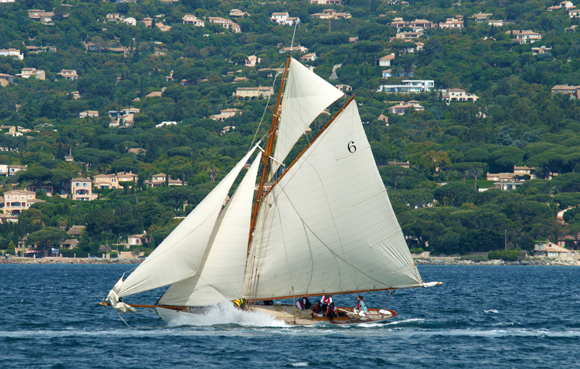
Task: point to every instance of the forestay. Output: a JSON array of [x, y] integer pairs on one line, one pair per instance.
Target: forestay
[[221, 275], [306, 95], [180, 255], [328, 225]]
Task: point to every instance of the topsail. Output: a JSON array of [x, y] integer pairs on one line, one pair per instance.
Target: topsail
[[306, 95]]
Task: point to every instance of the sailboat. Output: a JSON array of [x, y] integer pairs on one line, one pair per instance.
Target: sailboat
[[323, 226]]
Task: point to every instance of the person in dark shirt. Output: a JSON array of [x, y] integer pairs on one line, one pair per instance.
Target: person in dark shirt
[[332, 312], [317, 309]]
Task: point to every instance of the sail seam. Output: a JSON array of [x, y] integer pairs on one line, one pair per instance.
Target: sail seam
[[369, 197]]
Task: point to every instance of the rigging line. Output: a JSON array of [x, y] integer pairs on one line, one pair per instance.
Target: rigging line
[[124, 321], [293, 34], [264, 113], [311, 258]]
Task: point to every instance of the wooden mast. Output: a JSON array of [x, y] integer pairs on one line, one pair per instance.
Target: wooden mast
[[268, 152]]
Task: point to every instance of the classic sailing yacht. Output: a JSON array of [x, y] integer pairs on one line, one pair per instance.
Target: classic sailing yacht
[[325, 226]]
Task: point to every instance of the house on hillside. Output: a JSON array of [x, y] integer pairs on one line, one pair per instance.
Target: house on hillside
[[76, 230], [309, 57], [226, 23], [458, 94], [284, 19], [159, 180], [253, 93], [17, 200], [573, 91], [482, 17], [325, 2], [575, 13], [12, 52], [32, 72], [225, 114], [252, 61], [409, 86], [81, 189], [386, 61], [524, 37], [451, 23], [237, 13], [401, 108], [69, 74], [89, 114], [192, 19]]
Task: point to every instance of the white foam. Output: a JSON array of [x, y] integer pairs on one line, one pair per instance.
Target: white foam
[[492, 311], [224, 313], [300, 363], [406, 321]]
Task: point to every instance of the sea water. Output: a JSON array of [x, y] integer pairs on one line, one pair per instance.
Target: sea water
[[482, 317]]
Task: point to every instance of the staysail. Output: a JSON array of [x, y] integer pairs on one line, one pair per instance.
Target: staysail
[[328, 226], [221, 275], [180, 255], [306, 95]]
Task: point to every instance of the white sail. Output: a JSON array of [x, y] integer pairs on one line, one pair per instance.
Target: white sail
[[221, 274], [328, 225], [306, 95], [180, 255]]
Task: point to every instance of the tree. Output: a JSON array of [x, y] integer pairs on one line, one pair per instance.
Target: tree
[[455, 194], [395, 173], [47, 237], [475, 170]]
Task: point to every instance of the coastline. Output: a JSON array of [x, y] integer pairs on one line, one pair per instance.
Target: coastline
[[528, 262], [59, 260], [418, 261]]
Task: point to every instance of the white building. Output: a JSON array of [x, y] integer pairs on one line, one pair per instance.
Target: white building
[[524, 37], [192, 19], [409, 86], [451, 23], [130, 21], [386, 61], [284, 19], [12, 52], [458, 94]]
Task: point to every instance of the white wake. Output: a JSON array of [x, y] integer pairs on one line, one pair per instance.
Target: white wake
[[224, 313]]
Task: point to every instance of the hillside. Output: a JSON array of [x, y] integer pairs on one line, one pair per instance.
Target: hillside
[[139, 64]]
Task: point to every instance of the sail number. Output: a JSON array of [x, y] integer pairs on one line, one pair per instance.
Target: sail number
[[351, 147]]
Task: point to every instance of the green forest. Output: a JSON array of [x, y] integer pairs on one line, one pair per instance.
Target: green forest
[[516, 121]]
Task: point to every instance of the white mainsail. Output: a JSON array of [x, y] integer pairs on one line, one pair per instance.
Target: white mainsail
[[221, 275], [180, 255], [306, 95], [328, 225]]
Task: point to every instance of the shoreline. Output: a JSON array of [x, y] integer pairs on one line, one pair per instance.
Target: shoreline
[[528, 262], [427, 261], [59, 260]]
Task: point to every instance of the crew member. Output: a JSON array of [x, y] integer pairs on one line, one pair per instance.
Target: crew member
[[300, 304], [326, 301], [240, 303], [317, 310], [361, 307], [332, 312]]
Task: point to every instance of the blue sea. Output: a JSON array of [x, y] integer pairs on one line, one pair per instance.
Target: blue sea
[[482, 317]]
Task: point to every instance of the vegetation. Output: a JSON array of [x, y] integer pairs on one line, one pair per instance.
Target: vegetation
[[516, 121]]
